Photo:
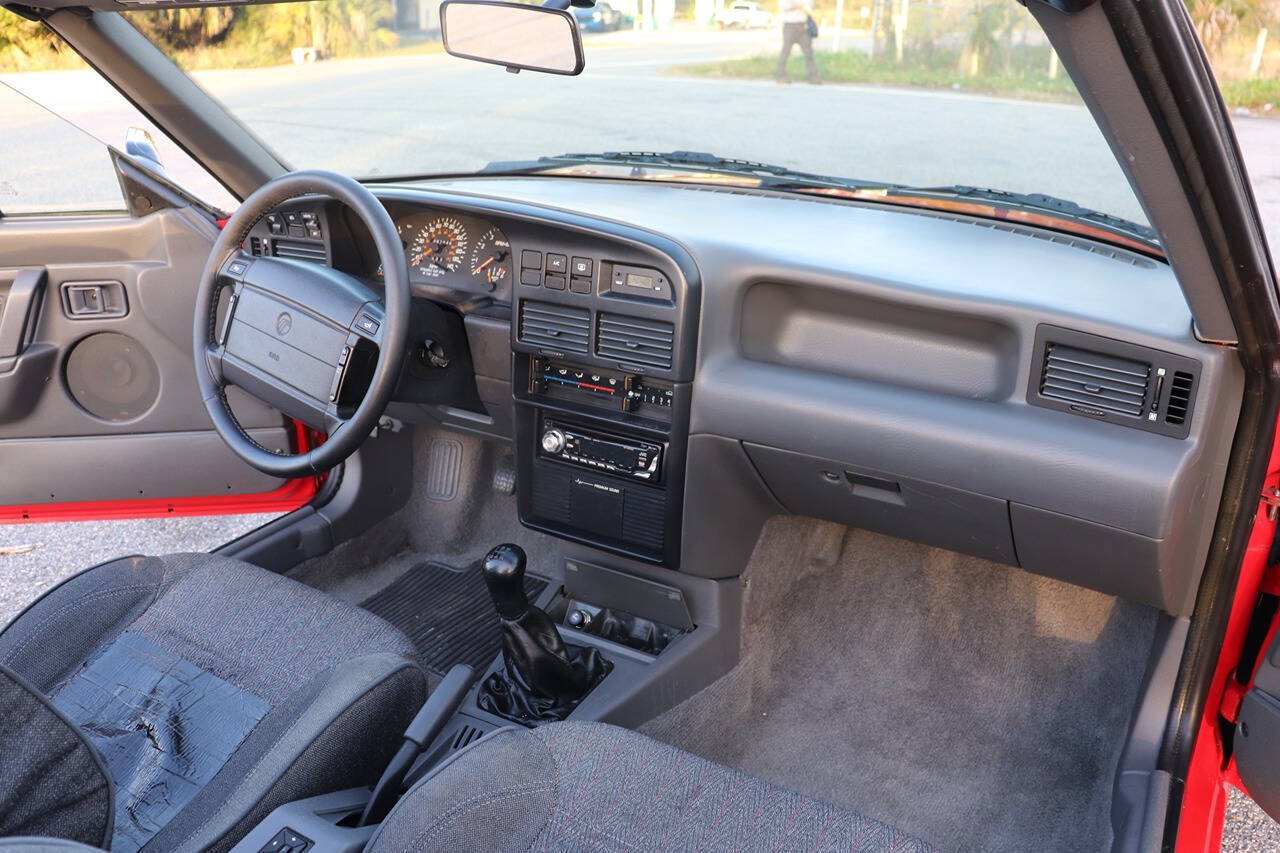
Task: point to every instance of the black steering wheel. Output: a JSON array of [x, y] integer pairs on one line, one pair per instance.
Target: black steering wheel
[[315, 343]]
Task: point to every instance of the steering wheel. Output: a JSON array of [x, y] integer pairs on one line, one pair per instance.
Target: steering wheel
[[315, 343]]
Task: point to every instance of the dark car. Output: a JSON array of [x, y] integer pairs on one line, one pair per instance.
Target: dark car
[[600, 18]]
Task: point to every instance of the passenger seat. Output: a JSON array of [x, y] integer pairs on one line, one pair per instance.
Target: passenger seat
[[590, 786]]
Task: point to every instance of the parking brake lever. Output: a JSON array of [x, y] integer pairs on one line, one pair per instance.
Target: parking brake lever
[[439, 708]]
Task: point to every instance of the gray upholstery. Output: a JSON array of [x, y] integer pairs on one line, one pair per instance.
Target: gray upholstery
[[38, 844], [52, 781], [590, 786], [332, 687]]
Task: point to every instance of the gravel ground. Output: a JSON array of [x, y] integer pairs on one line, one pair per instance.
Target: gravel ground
[[1248, 828], [63, 549]]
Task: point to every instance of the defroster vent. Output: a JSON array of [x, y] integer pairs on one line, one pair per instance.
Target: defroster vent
[[1094, 380], [635, 341], [558, 327]]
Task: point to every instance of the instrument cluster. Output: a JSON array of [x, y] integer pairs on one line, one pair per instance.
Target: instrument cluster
[[448, 250]]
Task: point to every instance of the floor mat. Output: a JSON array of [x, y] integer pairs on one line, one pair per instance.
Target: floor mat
[[976, 706], [447, 614]]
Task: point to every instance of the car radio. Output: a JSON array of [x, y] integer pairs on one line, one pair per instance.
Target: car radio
[[623, 457]]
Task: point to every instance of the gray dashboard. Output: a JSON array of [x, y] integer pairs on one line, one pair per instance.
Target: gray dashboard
[[886, 368]]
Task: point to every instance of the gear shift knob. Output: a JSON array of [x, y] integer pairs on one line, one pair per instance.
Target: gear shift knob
[[504, 575]]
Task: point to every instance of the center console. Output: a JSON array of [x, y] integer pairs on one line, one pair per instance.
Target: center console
[[602, 371]]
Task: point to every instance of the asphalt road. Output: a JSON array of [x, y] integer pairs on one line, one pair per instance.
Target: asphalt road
[[416, 114], [434, 113]]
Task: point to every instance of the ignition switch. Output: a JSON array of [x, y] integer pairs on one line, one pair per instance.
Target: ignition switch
[[431, 353]]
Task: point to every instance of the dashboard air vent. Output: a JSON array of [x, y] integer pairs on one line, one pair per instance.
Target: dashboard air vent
[[1179, 398], [635, 341], [1095, 381], [1114, 381], [300, 251], [558, 327]]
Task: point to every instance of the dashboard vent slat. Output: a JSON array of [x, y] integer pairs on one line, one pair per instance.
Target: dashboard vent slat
[[1094, 380], [558, 327], [636, 341], [299, 251], [1179, 398]]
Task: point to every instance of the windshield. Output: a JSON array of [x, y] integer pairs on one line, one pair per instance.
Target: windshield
[[932, 94]]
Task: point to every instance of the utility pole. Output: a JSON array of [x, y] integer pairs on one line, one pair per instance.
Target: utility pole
[[835, 31], [875, 28], [900, 31]]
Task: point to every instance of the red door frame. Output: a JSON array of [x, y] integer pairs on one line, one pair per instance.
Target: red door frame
[[1212, 772], [285, 498]]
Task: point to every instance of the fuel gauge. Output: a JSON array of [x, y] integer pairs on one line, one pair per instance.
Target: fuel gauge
[[491, 258]]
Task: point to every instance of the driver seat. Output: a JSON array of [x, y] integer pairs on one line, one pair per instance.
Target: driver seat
[[170, 703]]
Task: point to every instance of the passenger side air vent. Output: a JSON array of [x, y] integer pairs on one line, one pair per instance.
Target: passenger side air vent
[[299, 251], [635, 341], [558, 327], [1114, 381], [1179, 398], [1095, 380]]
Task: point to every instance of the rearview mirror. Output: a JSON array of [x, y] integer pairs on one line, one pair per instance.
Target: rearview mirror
[[514, 35]]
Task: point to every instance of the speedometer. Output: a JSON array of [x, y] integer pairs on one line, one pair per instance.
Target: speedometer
[[440, 247]]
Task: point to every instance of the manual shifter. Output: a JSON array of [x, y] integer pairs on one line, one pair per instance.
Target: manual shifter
[[542, 679]]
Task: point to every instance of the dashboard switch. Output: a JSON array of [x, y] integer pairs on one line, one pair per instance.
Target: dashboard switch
[[582, 266], [555, 282], [530, 259], [557, 263]]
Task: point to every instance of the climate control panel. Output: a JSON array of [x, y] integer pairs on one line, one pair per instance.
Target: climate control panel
[[618, 391]]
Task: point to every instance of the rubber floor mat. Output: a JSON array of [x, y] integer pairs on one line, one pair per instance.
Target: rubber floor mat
[[447, 614]]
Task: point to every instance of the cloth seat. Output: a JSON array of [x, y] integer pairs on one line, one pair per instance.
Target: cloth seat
[[212, 690], [590, 786]]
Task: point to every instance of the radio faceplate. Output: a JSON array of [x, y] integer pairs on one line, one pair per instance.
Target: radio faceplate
[[588, 448]]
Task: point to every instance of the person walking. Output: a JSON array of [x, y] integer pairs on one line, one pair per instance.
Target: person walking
[[798, 27]]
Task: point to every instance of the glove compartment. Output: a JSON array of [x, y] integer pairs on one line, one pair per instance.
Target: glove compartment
[[866, 497]]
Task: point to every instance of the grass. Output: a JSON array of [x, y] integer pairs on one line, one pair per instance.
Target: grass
[[854, 66], [1255, 93], [1028, 78]]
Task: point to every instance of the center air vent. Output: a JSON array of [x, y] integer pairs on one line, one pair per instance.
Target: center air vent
[[1095, 380], [635, 341], [558, 327], [300, 251], [1115, 381]]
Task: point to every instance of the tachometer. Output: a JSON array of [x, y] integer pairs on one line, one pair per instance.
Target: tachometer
[[440, 247], [491, 258]]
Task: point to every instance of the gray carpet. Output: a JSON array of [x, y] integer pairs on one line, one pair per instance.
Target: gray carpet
[[457, 531], [974, 705]]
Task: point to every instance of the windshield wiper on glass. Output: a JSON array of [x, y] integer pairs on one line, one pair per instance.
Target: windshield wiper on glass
[[769, 175], [1032, 208], [1059, 206]]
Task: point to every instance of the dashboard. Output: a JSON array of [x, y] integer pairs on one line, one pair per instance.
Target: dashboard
[[676, 364]]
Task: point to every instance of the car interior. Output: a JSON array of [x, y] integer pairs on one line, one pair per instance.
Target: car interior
[[645, 512]]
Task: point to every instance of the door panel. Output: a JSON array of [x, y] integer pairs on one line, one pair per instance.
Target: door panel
[[99, 402]]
